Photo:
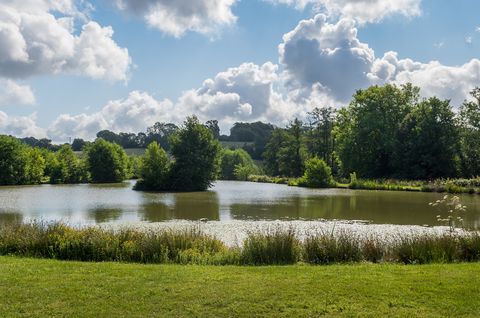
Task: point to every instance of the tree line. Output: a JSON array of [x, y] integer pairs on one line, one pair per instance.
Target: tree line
[[385, 132]]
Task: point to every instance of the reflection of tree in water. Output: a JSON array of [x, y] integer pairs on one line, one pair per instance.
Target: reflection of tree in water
[[10, 217], [181, 206], [101, 215]]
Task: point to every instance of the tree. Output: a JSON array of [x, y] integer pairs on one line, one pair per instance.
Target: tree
[[317, 174], [160, 132], [67, 167], [276, 142], [469, 117], [291, 154], [236, 165], [107, 162], [257, 133], [13, 161], [213, 126], [195, 153], [427, 142], [366, 130], [35, 166], [78, 144], [154, 169], [319, 139]]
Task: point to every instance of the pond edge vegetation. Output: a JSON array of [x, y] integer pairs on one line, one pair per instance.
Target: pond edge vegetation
[[191, 246]]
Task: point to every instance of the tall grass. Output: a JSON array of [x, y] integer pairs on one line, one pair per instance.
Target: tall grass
[[191, 246]]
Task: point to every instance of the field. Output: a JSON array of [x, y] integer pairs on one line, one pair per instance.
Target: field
[[50, 288]]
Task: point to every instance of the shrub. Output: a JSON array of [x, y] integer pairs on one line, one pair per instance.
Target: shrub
[[107, 162], [328, 249], [273, 247], [154, 169], [317, 174]]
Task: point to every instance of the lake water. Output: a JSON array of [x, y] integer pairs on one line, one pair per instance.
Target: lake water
[[227, 200]]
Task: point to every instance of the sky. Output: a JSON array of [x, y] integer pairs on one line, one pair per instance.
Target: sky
[[70, 68]]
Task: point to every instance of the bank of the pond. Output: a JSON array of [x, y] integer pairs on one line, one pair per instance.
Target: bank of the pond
[[269, 246], [49, 288], [454, 186]]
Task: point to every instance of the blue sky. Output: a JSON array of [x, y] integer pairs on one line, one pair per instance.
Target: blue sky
[[163, 73]]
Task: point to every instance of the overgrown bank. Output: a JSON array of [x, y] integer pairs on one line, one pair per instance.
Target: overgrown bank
[[191, 246]]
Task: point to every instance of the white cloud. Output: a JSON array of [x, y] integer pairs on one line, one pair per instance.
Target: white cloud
[[331, 57], [468, 40], [37, 37], [20, 126], [14, 93], [362, 11], [328, 54], [177, 17], [477, 29], [132, 114]]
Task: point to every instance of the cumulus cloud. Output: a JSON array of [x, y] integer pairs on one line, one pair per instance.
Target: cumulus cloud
[[37, 37], [132, 114], [177, 17], [20, 126], [317, 52], [330, 59], [362, 11], [13, 93]]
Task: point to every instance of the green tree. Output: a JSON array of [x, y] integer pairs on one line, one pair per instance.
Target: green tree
[[427, 142], [277, 141], [291, 155], [35, 166], [469, 116], [231, 159], [319, 139], [195, 151], [154, 169], [13, 161], [317, 174], [366, 130], [67, 167], [107, 162]]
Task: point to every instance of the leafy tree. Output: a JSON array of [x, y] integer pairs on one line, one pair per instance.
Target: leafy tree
[[160, 132], [66, 167], [427, 142], [35, 166], [195, 151], [213, 126], [317, 174], [231, 159], [13, 161], [469, 116], [107, 162], [258, 133], [319, 139], [291, 154], [277, 141], [366, 130], [154, 169], [78, 144]]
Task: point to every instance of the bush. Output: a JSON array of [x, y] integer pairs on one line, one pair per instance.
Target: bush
[[13, 161], [329, 249], [154, 169], [107, 162], [273, 247], [317, 174]]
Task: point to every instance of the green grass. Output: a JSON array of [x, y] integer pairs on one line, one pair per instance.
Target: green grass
[[50, 288]]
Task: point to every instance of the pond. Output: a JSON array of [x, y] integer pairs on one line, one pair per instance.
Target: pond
[[226, 200]]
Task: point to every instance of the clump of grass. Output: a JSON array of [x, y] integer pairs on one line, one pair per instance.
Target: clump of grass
[[327, 248], [275, 246], [373, 250], [424, 249], [469, 247], [59, 241]]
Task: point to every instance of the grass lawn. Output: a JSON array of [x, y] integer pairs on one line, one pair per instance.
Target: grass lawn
[[49, 288]]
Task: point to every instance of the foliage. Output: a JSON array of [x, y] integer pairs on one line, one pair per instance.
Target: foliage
[[319, 139], [366, 129], [236, 164], [195, 153], [451, 209], [107, 162], [469, 118], [154, 169], [13, 161], [317, 174], [257, 132], [417, 156], [35, 166], [66, 167]]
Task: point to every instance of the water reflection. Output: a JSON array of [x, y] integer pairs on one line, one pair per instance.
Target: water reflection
[[98, 203]]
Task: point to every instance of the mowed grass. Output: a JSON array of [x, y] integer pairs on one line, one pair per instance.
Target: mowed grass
[[51, 288]]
